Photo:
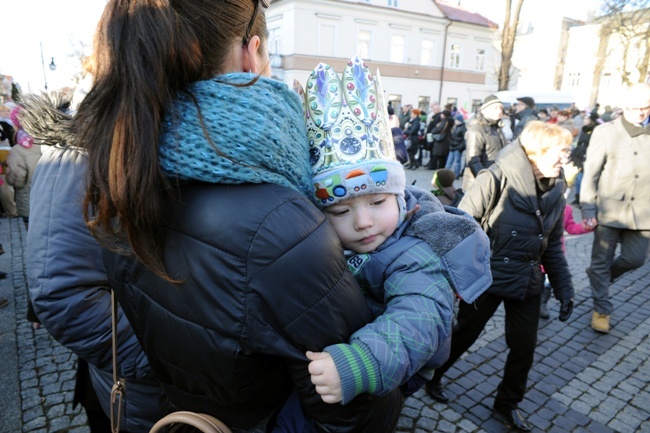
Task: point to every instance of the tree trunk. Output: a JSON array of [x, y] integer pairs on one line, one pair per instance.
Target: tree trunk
[[508, 37]]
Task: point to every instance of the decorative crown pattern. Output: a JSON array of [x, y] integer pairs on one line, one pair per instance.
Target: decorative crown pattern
[[351, 148], [346, 118]]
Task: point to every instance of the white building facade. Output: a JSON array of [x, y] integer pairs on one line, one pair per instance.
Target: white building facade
[[425, 50]]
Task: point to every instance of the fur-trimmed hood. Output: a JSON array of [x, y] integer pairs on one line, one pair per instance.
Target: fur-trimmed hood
[[47, 118]]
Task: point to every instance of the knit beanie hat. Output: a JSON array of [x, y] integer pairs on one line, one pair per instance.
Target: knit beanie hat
[[351, 146], [489, 100], [443, 178]]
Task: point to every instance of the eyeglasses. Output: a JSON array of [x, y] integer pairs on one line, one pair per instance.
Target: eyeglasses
[[247, 35]]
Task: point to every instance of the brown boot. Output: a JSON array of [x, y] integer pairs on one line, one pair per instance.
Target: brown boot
[[600, 322]]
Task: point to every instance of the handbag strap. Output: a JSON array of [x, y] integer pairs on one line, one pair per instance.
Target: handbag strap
[[119, 385], [202, 422]]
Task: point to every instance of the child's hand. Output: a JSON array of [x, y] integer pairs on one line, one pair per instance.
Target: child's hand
[[325, 377]]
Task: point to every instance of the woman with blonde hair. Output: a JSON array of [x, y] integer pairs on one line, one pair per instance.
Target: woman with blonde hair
[[520, 202]]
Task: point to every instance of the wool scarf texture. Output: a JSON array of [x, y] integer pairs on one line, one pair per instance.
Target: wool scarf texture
[[256, 134]]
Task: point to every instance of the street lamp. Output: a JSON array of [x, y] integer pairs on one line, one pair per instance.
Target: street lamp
[[52, 66]]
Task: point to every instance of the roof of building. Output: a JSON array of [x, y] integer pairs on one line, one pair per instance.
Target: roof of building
[[457, 13]]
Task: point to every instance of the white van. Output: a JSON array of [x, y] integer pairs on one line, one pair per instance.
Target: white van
[[560, 98]]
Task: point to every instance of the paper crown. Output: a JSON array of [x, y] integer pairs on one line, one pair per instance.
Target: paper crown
[[351, 148]]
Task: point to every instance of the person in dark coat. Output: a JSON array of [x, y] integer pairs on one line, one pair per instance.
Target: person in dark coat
[[484, 139], [440, 149], [226, 271], [520, 202], [524, 113], [398, 137], [412, 133], [457, 145]]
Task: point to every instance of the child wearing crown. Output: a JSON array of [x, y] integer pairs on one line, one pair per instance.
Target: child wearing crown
[[408, 252]]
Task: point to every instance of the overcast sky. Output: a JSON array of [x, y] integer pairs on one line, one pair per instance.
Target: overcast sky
[[55, 25]]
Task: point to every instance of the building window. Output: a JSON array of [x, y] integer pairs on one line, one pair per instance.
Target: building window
[[452, 102], [476, 105], [327, 40], [454, 56], [606, 81], [480, 59], [574, 79], [364, 40], [392, 3], [397, 48], [427, 55], [275, 40], [423, 103], [395, 101]]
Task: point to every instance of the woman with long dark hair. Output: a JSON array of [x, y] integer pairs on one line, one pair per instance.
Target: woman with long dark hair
[[198, 176]]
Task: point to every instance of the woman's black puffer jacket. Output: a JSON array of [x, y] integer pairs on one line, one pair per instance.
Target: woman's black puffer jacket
[[525, 229], [263, 280]]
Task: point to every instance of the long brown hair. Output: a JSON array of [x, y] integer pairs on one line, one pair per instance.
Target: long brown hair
[[145, 52]]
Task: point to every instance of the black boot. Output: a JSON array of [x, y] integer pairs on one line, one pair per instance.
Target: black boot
[[436, 390], [513, 417]]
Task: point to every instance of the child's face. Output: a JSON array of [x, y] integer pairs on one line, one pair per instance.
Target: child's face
[[363, 223]]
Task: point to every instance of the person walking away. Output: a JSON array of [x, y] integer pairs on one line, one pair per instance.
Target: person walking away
[[520, 202], [384, 227], [222, 265], [484, 139], [441, 141], [457, 145], [615, 198], [412, 133]]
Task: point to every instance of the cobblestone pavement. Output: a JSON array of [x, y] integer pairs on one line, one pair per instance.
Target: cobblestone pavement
[[581, 381]]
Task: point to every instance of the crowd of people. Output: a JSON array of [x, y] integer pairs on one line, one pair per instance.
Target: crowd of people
[[301, 285]]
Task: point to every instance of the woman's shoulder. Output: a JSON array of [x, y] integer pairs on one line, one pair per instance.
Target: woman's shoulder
[[248, 212]]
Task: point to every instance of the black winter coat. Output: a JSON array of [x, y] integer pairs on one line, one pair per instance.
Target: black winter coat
[[579, 154], [458, 137], [262, 280], [525, 226], [484, 140], [442, 147]]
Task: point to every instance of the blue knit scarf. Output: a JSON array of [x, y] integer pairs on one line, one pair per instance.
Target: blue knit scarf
[[258, 134]]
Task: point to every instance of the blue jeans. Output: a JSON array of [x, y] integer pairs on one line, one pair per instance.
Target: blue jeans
[[453, 161], [577, 182]]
